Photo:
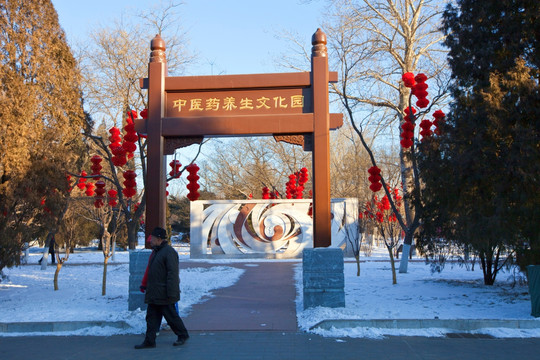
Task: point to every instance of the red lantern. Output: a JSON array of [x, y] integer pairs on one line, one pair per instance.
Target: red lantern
[[419, 90], [129, 183], [439, 120], [175, 169], [408, 79], [291, 187], [98, 203], [426, 129], [82, 180], [192, 185], [100, 189], [112, 197], [89, 189], [144, 113], [96, 167], [375, 178], [265, 193]]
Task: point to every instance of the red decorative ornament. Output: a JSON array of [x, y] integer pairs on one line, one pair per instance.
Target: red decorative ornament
[[82, 180], [119, 160], [385, 203], [265, 193], [144, 113], [375, 178], [439, 120], [130, 137], [129, 183], [419, 90], [68, 180], [291, 187], [112, 197], [89, 189], [408, 79], [192, 185], [115, 139], [426, 132], [98, 203], [100, 189], [132, 115], [96, 167], [175, 169], [407, 134]]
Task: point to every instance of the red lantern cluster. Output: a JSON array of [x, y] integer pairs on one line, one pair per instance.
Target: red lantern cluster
[[192, 185], [129, 184], [130, 137], [420, 91], [82, 180], [112, 197], [175, 166], [439, 120], [375, 178], [119, 154], [96, 167], [426, 132], [265, 193], [291, 186], [100, 191], [380, 210], [407, 134], [302, 180]]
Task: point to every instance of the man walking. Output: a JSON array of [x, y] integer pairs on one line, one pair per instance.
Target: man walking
[[162, 291]]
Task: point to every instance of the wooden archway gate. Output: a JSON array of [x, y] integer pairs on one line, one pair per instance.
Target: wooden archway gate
[[293, 107]]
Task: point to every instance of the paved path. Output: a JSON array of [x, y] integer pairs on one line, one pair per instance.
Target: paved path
[[272, 345], [262, 299]]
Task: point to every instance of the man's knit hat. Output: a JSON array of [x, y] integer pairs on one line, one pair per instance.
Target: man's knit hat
[[159, 233]]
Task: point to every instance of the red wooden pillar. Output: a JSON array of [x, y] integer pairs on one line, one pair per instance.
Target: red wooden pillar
[[156, 161], [321, 141]]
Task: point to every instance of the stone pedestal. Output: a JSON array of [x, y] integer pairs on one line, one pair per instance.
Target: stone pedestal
[[138, 260], [323, 279], [533, 273]]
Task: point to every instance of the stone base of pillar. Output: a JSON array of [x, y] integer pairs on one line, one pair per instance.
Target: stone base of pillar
[[323, 278], [138, 260]]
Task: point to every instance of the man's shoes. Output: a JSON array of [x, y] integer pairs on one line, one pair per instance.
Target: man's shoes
[[180, 341], [145, 345]]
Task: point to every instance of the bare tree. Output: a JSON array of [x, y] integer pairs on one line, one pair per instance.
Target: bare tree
[[355, 230], [374, 43], [112, 64], [246, 165]]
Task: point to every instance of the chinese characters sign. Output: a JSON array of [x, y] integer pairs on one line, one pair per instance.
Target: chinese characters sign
[[269, 101]]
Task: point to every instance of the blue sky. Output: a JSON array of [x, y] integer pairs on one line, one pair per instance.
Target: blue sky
[[231, 37]]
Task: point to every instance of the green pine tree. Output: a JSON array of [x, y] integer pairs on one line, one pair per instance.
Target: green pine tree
[[483, 174]]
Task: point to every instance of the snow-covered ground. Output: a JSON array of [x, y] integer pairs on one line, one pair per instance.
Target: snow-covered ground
[[27, 295]]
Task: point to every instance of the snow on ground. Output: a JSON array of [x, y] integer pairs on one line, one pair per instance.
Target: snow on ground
[[27, 295], [455, 293]]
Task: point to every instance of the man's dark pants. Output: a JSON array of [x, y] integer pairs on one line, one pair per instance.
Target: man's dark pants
[[155, 313]]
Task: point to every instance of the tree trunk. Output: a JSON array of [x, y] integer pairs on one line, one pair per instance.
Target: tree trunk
[[404, 263], [45, 258], [132, 230], [104, 283], [58, 268], [357, 257], [113, 252], [392, 262]]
